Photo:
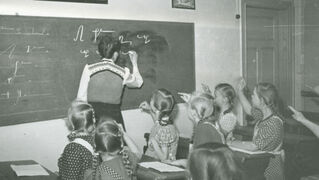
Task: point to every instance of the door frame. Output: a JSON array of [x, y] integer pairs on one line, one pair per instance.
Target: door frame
[[272, 4]]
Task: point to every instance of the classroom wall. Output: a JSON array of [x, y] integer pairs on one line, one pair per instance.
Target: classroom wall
[[311, 53], [217, 59]]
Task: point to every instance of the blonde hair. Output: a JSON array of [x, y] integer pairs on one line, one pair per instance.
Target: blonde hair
[[81, 117], [202, 104]]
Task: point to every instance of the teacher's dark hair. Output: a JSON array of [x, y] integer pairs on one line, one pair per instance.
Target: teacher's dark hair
[[108, 45]]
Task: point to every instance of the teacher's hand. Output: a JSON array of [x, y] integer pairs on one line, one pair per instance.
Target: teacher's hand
[[133, 56]]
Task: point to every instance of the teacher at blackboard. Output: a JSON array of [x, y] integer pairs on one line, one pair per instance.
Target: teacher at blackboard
[[102, 82]]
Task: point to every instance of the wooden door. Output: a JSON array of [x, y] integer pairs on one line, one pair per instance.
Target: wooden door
[[267, 46]]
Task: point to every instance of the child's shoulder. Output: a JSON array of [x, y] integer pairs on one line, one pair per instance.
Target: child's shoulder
[[275, 120], [76, 149], [230, 115]]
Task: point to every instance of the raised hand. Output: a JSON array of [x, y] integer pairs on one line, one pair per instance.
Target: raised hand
[[206, 88], [133, 56], [241, 84], [145, 106], [185, 96], [296, 114]]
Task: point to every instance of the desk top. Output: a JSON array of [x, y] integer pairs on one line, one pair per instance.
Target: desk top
[[151, 174], [6, 173]]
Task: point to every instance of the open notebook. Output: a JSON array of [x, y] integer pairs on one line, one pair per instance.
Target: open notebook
[[29, 170], [246, 151], [161, 167]]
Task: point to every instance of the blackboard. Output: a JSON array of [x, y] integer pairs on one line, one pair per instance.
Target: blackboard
[[42, 58]]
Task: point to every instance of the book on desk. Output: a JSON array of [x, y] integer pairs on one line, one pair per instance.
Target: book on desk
[[246, 151]]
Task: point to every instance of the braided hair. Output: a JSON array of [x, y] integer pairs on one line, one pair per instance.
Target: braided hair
[[163, 101], [229, 92], [109, 139], [202, 104]]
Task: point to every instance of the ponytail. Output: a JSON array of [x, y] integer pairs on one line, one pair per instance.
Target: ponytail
[[203, 105]]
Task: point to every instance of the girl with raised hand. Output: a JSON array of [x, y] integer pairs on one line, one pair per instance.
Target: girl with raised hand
[[225, 96], [164, 135], [268, 131], [78, 155], [200, 111]]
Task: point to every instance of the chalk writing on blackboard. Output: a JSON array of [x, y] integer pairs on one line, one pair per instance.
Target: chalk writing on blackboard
[[121, 38], [26, 31], [10, 49], [145, 37], [31, 48], [19, 95], [11, 79], [6, 94], [85, 52], [79, 34], [98, 31]]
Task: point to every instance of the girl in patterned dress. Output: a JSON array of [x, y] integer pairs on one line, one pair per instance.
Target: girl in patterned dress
[[201, 113], [224, 98], [164, 135], [268, 131], [78, 155], [118, 161]]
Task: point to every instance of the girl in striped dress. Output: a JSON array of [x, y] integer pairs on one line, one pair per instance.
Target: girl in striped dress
[[268, 131]]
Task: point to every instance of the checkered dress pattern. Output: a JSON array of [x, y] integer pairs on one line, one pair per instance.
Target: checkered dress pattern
[[110, 172], [268, 135]]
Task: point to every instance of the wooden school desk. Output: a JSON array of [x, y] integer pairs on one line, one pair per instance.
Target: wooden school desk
[[253, 165], [6, 173], [151, 174]]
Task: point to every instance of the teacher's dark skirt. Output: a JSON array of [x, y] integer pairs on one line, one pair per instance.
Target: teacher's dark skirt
[[112, 111]]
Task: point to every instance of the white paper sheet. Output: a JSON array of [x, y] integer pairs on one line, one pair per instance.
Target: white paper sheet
[[29, 170], [246, 151], [162, 167]]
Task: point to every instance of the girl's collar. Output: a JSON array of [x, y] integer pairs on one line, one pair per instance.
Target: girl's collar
[[227, 110], [268, 117], [164, 121], [108, 60]]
